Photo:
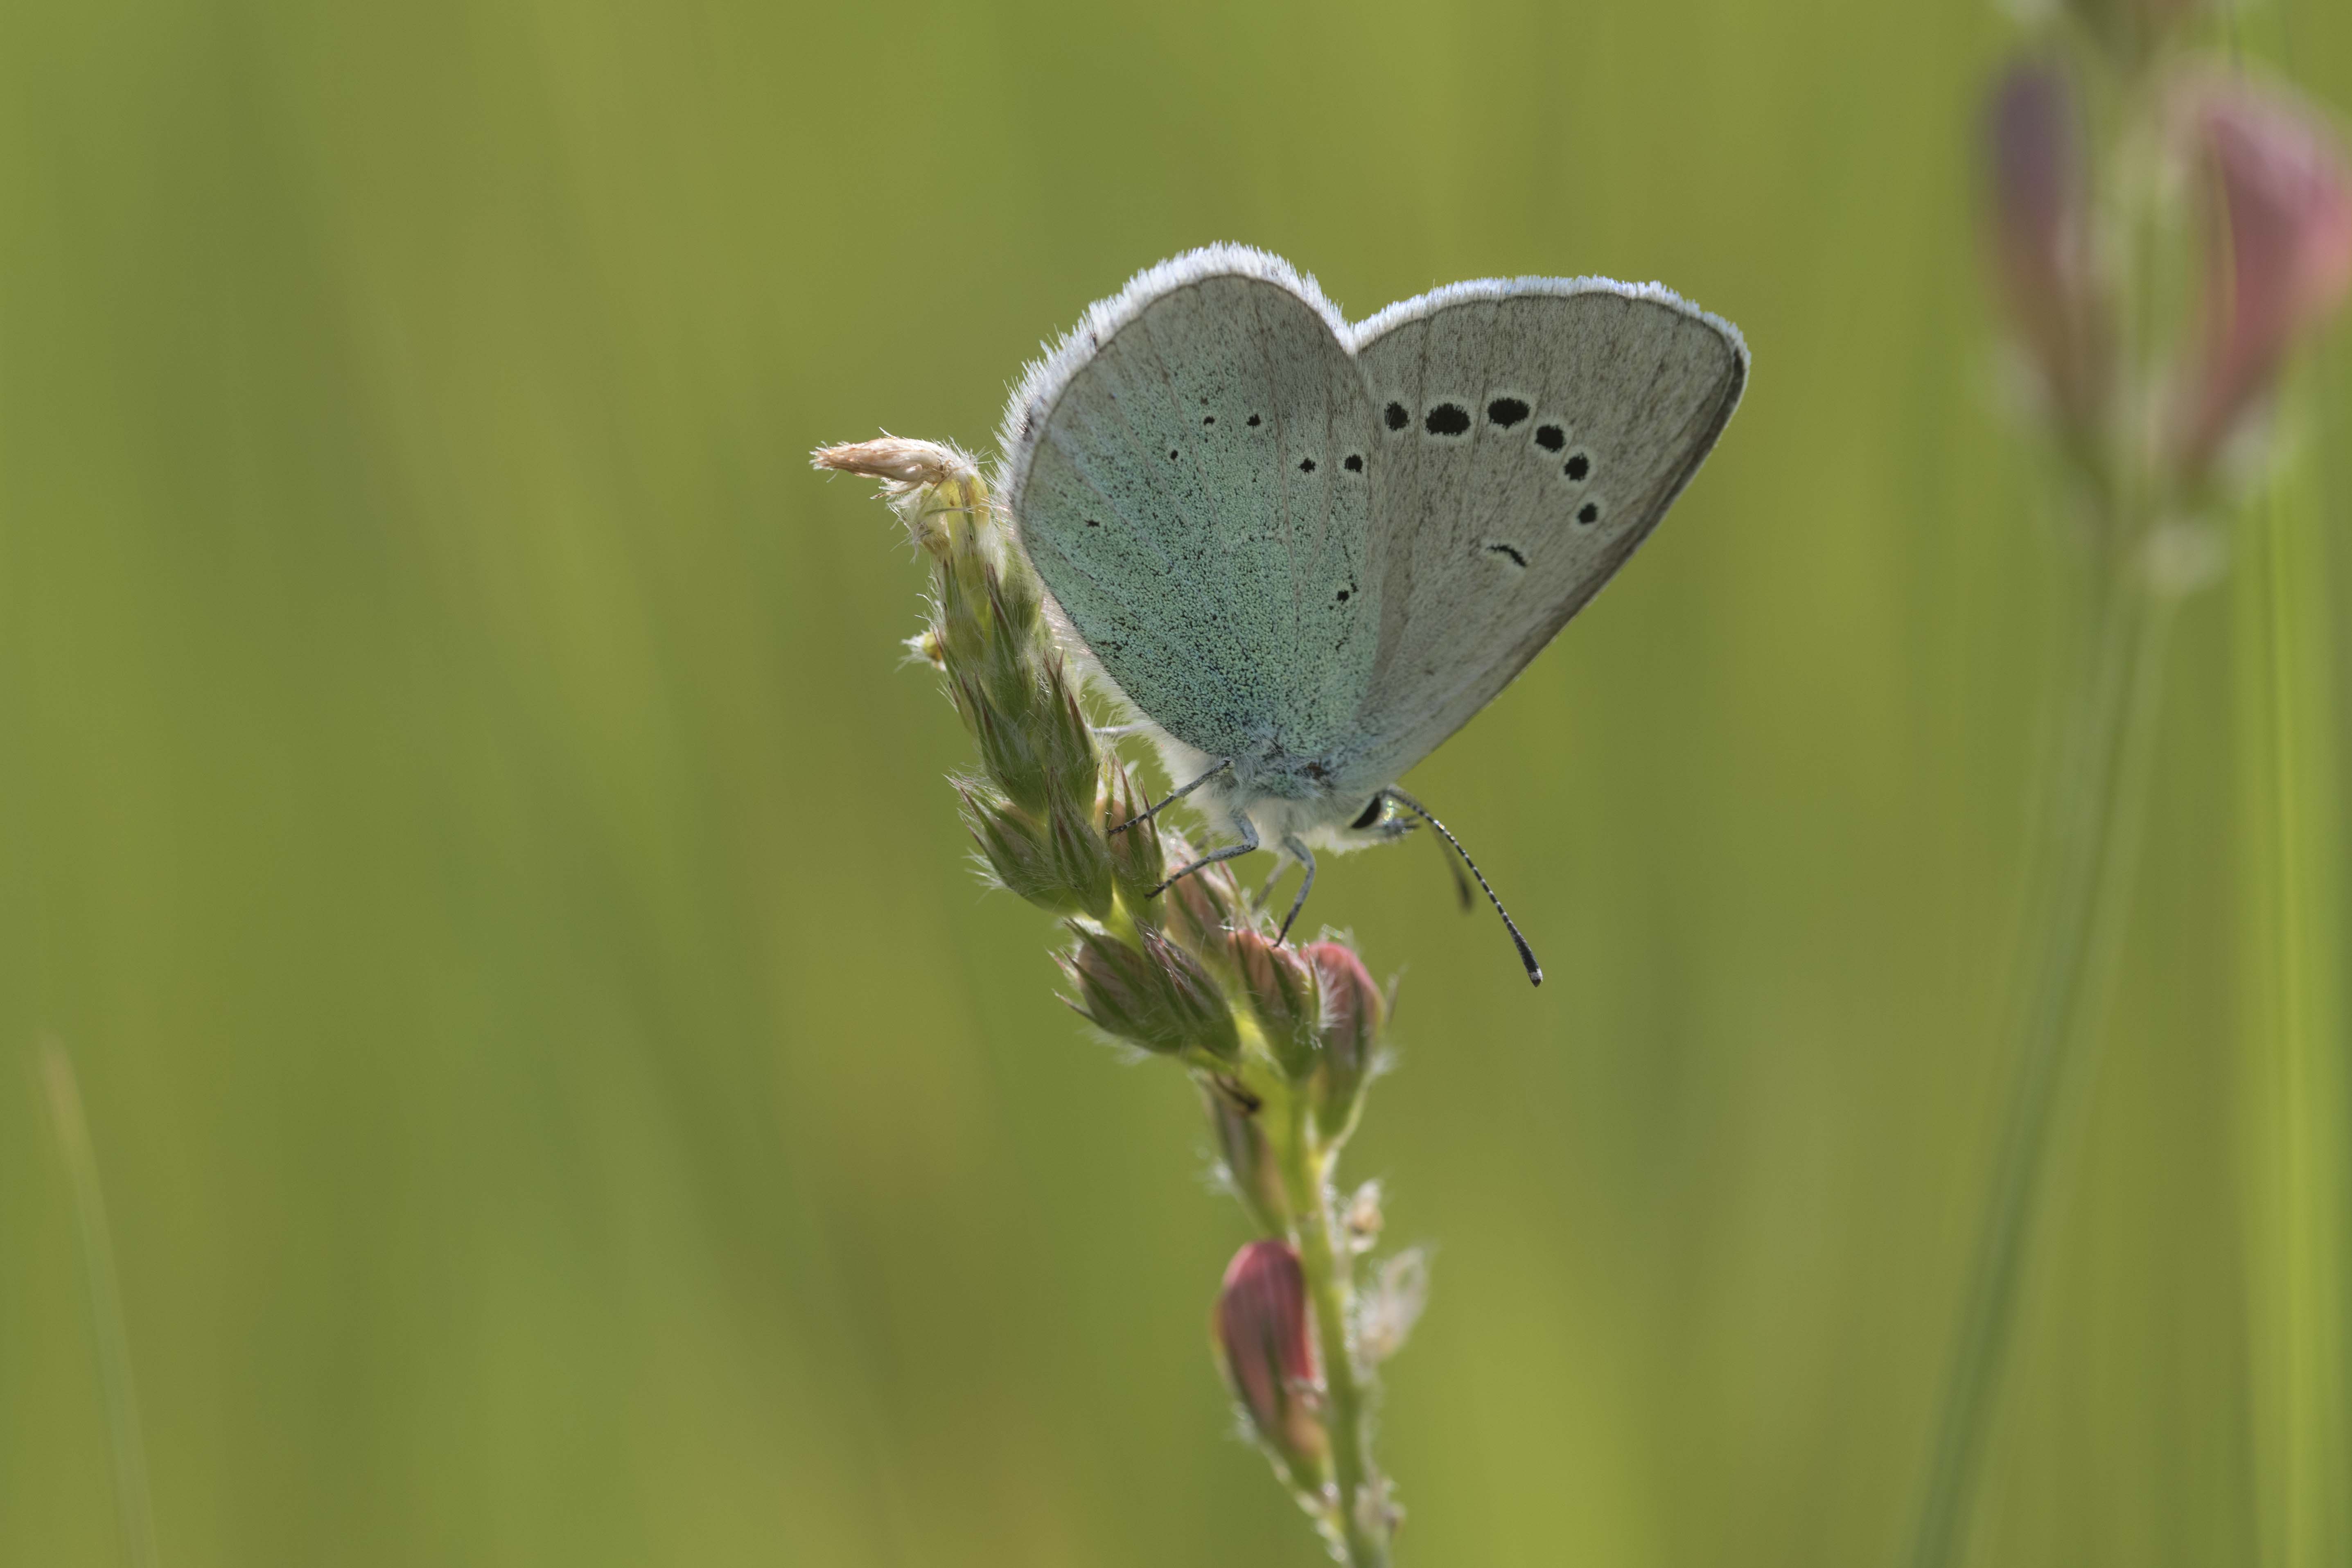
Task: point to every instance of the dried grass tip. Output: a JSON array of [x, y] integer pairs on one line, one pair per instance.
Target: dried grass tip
[[896, 461]]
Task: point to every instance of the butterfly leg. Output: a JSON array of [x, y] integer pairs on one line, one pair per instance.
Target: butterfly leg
[[1265, 894], [1173, 798], [1298, 852], [1249, 841]]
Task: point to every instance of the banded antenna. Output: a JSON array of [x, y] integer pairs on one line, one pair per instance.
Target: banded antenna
[[1526, 954]]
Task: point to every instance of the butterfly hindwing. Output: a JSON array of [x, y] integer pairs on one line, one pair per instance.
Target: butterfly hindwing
[[1181, 469]]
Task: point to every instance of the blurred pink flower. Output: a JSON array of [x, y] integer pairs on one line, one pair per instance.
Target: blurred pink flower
[[1268, 1359], [2282, 253], [2041, 246]]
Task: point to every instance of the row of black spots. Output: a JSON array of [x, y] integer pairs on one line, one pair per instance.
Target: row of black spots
[[1450, 418]]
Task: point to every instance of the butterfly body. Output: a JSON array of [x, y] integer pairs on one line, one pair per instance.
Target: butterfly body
[[1303, 552]]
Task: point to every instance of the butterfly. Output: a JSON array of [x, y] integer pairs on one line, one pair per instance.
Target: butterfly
[[1302, 553]]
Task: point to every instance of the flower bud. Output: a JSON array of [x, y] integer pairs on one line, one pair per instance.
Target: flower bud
[[1267, 1358], [1080, 858], [1016, 596], [2040, 237], [1136, 859], [1006, 748], [1249, 1161], [1202, 910], [1156, 995], [1280, 985], [2281, 257], [957, 625], [896, 461], [928, 646], [1015, 848], [1349, 1026], [1064, 736], [908, 469]]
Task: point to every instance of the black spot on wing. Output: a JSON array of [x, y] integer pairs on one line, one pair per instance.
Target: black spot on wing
[[1396, 416], [1305, 465], [1354, 463], [1588, 513], [1577, 466], [1550, 437], [1446, 419], [1506, 411]]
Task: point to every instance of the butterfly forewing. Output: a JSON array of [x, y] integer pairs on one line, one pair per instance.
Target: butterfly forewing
[[1192, 474], [1533, 434]]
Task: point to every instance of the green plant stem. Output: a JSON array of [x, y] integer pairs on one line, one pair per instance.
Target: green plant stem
[[130, 1499], [1329, 1284], [2074, 935], [2297, 1153]]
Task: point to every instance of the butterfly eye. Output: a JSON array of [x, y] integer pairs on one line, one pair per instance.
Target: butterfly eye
[[1371, 814]]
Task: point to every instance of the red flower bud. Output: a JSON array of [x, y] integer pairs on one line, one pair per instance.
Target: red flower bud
[[2281, 257], [1268, 1359]]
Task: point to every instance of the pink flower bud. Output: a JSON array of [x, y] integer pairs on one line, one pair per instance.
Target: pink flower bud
[[2041, 244], [1156, 995], [1280, 985], [1269, 1361], [1352, 1013], [1202, 909], [2281, 257]]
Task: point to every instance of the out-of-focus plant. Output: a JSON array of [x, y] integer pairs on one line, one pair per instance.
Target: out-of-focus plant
[[1282, 1042], [2163, 233]]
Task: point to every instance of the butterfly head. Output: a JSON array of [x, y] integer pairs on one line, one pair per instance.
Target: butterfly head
[[1380, 821]]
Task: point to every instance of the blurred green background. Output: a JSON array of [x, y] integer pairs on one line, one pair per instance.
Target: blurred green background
[[561, 1095]]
